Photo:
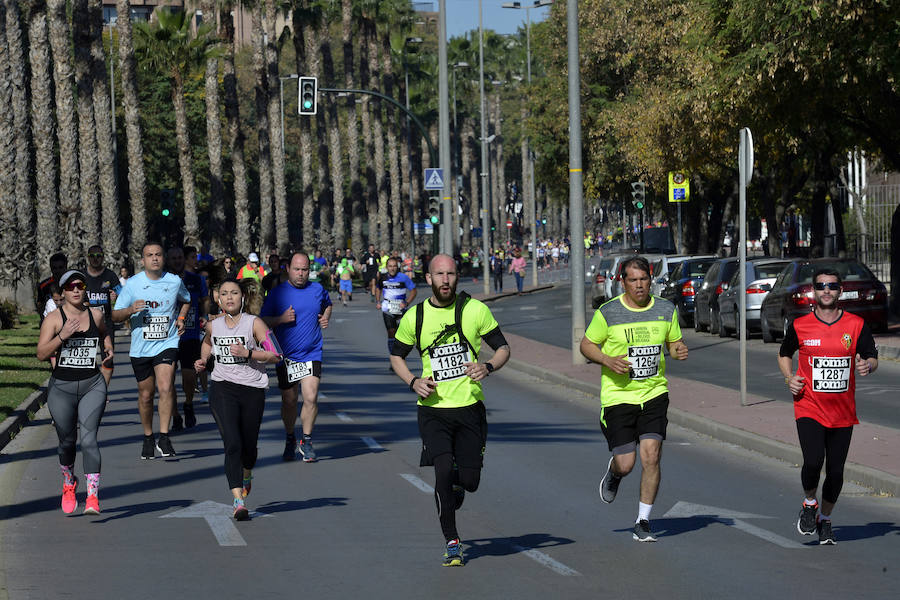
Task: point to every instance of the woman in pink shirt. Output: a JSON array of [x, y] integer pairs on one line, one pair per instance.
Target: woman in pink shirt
[[517, 267]]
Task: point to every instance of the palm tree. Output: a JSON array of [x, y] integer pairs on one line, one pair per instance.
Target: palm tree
[[87, 137], [64, 85], [8, 229], [168, 47], [352, 127], [137, 183], [108, 173], [24, 193], [377, 138], [266, 224], [214, 141], [44, 131], [235, 138], [335, 162], [396, 227], [273, 107], [299, 18]]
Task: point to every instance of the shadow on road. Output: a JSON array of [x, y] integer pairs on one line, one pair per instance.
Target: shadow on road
[[280, 506], [506, 546]]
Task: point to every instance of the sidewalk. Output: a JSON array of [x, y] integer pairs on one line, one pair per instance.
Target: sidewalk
[[765, 425]]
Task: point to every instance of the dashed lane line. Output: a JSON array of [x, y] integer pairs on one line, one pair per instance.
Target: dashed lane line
[[371, 443]]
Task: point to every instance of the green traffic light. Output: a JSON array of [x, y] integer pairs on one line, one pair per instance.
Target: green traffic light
[[165, 212], [639, 205], [307, 104], [434, 219]]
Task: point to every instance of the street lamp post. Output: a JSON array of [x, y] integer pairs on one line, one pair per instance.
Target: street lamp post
[[532, 202], [485, 223], [457, 160], [281, 96]]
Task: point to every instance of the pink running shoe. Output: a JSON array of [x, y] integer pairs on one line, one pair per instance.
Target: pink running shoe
[[92, 505], [69, 502]]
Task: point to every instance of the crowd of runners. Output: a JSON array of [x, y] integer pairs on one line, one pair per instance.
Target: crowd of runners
[[223, 323]]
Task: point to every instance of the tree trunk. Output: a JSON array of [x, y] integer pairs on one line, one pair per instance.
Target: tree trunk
[[384, 241], [216, 222], [64, 85], [369, 205], [9, 231], [339, 230], [106, 141], [356, 192], [306, 182], [395, 227], [326, 191], [236, 141], [403, 232], [44, 131], [89, 219], [137, 183], [185, 165], [276, 131], [266, 225]]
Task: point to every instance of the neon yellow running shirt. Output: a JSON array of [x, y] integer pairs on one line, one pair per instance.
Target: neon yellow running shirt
[[443, 353], [640, 335]]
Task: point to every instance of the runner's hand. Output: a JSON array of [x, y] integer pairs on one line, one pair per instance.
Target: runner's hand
[[681, 351], [289, 316], [108, 359], [112, 298], [618, 364], [239, 351], [423, 386], [199, 365], [796, 383], [862, 366], [179, 326], [476, 371], [138, 306], [323, 321], [69, 328]]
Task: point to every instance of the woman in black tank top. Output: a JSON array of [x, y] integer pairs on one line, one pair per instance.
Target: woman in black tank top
[[75, 340]]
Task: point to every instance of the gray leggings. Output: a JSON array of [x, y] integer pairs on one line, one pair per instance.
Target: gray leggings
[[75, 404]]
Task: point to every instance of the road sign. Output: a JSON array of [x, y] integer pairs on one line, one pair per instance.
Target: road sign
[[679, 187], [423, 228], [476, 232], [434, 179], [509, 224]]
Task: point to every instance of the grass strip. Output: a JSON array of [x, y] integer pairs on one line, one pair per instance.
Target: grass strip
[[21, 372]]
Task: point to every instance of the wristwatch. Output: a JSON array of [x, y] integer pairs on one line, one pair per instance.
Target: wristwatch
[[489, 367]]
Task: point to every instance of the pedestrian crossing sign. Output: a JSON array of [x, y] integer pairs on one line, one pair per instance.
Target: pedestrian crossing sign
[[434, 179]]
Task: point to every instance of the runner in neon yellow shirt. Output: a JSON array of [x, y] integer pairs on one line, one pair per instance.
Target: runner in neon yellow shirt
[[627, 336]]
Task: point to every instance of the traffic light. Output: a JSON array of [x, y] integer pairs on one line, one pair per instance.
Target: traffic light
[[167, 203], [434, 211], [638, 194], [309, 87]]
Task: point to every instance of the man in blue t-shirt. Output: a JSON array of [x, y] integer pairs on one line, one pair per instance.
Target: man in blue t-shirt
[[157, 304], [391, 291], [298, 310], [189, 344]]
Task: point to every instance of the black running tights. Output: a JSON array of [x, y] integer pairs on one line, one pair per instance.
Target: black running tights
[[445, 477], [238, 411], [823, 446]]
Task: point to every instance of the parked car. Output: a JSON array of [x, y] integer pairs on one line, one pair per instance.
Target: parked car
[[792, 295], [601, 287], [661, 269], [683, 284], [706, 302], [760, 277]]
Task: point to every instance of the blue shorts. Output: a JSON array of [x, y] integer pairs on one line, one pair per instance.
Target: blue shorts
[[346, 286]]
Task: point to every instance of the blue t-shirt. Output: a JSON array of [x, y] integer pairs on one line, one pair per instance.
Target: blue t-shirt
[[393, 292], [302, 339], [196, 286], [153, 329]]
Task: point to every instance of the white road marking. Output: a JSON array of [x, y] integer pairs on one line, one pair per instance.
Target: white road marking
[[528, 308], [356, 311], [343, 417], [732, 519], [218, 517], [531, 553], [371, 443]]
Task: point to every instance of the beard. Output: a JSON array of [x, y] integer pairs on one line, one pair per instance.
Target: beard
[[826, 305], [440, 296]]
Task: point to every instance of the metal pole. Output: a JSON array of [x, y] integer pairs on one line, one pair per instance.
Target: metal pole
[[281, 97], [576, 191], [444, 136], [745, 170], [412, 206], [532, 200], [485, 222]]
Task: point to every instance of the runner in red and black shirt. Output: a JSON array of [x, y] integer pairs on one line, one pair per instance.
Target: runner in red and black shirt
[[835, 347]]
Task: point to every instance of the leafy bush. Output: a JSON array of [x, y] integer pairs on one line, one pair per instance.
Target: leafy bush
[[9, 314]]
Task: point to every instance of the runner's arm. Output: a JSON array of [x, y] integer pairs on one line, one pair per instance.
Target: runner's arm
[[412, 296], [677, 349], [48, 340], [421, 386], [260, 332], [595, 354], [867, 351], [205, 349]]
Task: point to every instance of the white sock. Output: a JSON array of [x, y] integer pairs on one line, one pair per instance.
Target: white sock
[[643, 512], [809, 502], [824, 517]]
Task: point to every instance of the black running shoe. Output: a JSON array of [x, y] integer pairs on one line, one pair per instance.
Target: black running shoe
[[806, 523], [642, 531], [177, 424], [149, 451], [609, 485], [290, 448], [164, 445], [190, 419], [826, 536], [305, 448]]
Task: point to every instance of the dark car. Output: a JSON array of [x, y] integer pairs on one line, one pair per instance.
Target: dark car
[[683, 284], [706, 301], [792, 295]]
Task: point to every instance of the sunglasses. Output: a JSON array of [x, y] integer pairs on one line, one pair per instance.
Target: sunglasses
[[95, 254], [75, 285], [831, 285]]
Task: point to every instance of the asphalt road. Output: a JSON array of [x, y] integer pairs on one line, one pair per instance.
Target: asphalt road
[[361, 521], [545, 316]]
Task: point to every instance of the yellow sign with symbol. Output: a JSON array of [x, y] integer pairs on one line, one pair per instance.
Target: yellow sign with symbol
[[679, 187]]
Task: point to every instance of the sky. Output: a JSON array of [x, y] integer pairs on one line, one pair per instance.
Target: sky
[[462, 15]]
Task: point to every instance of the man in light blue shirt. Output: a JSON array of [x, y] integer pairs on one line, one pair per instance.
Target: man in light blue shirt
[[157, 304]]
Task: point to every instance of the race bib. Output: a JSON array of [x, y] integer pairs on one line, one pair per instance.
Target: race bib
[[156, 327], [831, 374], [222, 349], [448, 361], [79, 353], [394, 307], [644, 361], [298, 370]]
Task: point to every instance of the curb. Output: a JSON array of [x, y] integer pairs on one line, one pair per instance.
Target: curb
[[22, 415], [892, 352], [540, 288], [881, 482]]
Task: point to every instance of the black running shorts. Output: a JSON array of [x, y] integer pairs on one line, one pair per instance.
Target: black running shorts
[[391, 321], [626, 424], [143, 367], [461, 432], [188, 352]]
